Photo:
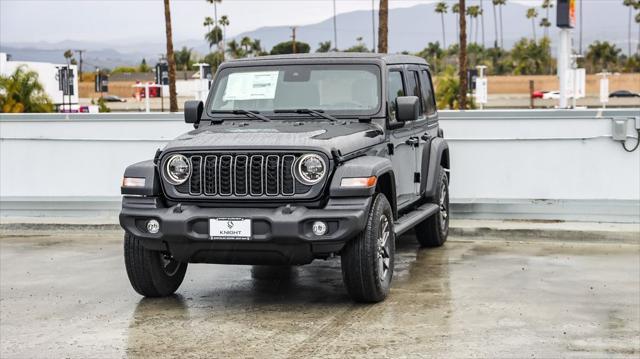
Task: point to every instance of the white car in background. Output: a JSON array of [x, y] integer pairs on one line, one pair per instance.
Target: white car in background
[[551, 95]]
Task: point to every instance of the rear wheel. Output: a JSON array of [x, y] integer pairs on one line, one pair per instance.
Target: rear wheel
[[151, 273], [367, 260], [433, 231]]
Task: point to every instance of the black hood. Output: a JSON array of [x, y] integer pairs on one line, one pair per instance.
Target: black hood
[[344, 136]]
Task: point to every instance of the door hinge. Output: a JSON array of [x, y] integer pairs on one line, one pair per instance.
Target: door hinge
[[416, 177]]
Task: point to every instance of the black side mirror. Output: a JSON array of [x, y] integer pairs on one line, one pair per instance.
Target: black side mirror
[[407, 108], [193, 111]]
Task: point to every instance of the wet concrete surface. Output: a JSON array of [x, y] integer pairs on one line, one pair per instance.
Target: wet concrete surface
[[66, 294]]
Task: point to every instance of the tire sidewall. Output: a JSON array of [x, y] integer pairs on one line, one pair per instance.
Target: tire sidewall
[[381, 207]]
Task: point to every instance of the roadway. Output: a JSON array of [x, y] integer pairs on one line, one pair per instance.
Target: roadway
[[65, 293]]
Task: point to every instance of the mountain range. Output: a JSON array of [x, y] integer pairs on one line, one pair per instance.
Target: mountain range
[[410, 29]]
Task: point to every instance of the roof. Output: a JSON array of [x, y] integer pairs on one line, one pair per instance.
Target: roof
[[387, 58]]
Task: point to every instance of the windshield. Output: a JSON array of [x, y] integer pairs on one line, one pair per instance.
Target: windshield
[[338, 89]]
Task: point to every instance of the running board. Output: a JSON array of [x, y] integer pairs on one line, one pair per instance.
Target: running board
[[414, 217]]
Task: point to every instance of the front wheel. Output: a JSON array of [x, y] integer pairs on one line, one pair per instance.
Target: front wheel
[[367, 260], [433, 231], [151, 273]]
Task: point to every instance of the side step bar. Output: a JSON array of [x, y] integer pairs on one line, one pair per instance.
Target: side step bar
[[414, 217]]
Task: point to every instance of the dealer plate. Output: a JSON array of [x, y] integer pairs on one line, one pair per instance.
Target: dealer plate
[[230, 228]]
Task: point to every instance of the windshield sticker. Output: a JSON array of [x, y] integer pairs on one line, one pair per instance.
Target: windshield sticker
[[251, 86]]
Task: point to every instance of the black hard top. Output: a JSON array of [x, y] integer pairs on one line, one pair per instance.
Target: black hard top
[[335, 56]]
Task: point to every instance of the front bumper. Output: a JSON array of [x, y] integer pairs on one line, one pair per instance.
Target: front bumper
[[281, 235]]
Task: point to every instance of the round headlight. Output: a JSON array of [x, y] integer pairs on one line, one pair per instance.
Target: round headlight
[[177, 169], [310, 169]]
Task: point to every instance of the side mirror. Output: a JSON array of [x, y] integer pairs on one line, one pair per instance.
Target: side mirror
[[193, 111], [407, 108]]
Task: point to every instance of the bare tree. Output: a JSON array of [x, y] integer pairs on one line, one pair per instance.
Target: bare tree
[[173, 97], [383, 26]]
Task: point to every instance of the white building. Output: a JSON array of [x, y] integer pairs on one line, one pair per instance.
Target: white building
[[48, 76]]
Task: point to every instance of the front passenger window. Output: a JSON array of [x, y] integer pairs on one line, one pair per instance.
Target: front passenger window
[[395, 88]]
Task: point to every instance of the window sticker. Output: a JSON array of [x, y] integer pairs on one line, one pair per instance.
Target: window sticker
[[251, 86]]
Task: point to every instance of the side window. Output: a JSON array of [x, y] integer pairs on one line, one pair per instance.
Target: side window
[[428, 98], [413, 88], [395, 88]]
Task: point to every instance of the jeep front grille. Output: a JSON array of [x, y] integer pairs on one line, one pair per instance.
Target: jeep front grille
[[222, 175]]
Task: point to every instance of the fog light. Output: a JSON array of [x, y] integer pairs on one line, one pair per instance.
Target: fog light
[[153, 226], [319, 228]]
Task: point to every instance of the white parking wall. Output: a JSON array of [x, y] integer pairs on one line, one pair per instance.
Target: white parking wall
[[504, 164]]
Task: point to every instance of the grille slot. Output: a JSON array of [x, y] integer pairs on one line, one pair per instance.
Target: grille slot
[[225, 175], [246, 175], [210, 163], [195, 183]]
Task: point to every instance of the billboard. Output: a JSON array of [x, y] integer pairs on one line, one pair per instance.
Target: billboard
[[566, 14]]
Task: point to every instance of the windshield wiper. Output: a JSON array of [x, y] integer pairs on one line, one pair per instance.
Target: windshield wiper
[[319, 113], [253, 114]]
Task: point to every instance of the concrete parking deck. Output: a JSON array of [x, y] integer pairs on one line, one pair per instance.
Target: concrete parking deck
[[65, 294]]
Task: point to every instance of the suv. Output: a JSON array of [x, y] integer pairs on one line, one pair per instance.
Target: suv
[[294, 158]]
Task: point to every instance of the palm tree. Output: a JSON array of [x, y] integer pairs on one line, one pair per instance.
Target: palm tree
[[224, 22], [456, 10], [546, 5], [214, 36], [500, 4], [638, 22], [462, 58], [545, 23], [256, 47], [441, 8], [383, 26], [473, 12], [495, 25], [601, 54], [246, 43], [324, 46], [215, 9], [532, 13], [631, 5], [234, 49], [173, 97], [482, 21], [183, 59], [22, 92]]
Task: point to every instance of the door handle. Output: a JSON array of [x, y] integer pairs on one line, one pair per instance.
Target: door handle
[[425, 137], [412, 141]]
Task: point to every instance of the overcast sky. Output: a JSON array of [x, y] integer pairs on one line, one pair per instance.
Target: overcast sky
[[135, 20]]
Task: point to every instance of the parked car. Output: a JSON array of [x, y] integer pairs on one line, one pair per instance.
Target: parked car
[[294, 158], [551, 95], [537, 94], [113, 98], [623, 93]]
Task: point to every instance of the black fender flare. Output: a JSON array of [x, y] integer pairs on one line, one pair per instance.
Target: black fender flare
[[434, 154], [146, 170], [366, 166]]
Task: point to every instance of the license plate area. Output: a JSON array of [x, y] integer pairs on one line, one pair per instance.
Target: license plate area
[[230, 229]]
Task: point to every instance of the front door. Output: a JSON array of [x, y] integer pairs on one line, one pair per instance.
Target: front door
[[402, 139]]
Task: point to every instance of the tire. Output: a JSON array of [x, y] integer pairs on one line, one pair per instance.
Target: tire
[[367, 260], [433, 231], [151, 274]]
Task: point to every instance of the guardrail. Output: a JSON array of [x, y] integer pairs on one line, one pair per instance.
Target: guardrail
[[506, 164]]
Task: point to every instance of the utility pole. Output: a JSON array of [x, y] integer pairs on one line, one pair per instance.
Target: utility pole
[[335, 27], [373, 23], [80, 63], [293, 37]]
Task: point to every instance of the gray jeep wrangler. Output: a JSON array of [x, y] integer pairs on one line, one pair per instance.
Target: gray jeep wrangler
[[294, 158]]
